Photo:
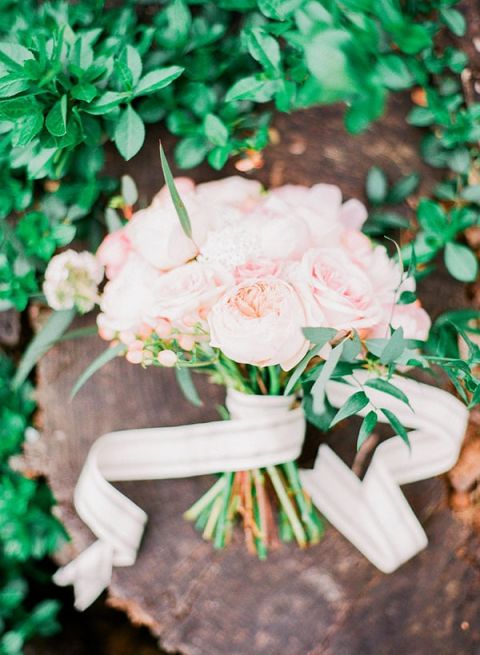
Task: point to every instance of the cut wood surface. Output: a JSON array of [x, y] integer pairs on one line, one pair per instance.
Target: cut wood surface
[[327, 600]]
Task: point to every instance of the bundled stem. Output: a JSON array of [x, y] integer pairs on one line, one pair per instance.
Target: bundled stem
[[254, 497]]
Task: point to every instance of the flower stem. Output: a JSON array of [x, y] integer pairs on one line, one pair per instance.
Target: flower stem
[[287, 506], [207, 498], [291, 472]]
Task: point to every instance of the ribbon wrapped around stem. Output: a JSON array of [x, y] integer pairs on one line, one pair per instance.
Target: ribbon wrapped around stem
[[373, 514]]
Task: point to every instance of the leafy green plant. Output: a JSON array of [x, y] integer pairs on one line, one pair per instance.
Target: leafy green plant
[[28, 531]]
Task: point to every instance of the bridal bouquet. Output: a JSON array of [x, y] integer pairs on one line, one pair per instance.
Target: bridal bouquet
[[269, 293]]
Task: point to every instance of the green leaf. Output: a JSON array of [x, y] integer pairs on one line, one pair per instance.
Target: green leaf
[[82, 53], [432, 217], [376, 185], [130, 66], [367, 427], [396, 425], [112, 220], [461, 262], [264, 48], [387, 387], [51, 332], [246, 88], [177, 201], [129, 133], [318, 389], [56, 122], [471, 193], [14, 55], [191, 151], [108, 101], [326, 58], [394, 72], [27, 129], [98, 363], [184, 379], [352, 406], [394, 347], [157, 80], [129, 190], [215, 130], [403, 188], [300, 368], [454, 20], [319, 335]]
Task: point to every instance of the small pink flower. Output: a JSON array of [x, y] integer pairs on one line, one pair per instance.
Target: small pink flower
[[113, 252], [163, 328], [167, 358], [135, 352], [186, 341]]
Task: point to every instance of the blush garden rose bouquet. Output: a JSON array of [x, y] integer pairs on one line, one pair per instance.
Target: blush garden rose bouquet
[[269, 293]]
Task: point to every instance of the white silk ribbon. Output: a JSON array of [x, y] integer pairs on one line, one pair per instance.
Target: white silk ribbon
[[373, 514]]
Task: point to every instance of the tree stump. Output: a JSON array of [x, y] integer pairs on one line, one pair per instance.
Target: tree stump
[[327, 600]]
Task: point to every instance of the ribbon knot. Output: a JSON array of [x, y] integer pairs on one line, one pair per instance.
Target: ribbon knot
[[373, 514]]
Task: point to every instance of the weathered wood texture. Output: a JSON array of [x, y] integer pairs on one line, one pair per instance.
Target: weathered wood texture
[[325, 601]]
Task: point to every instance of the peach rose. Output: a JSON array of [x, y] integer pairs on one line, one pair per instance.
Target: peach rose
[[185, 294], [113, 252], [336, 292], [260, 323], [128, 297]]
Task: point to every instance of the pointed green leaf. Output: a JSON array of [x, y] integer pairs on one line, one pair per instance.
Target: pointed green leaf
[[184, 379], [56, 122], [394, 348], [177, 201], [98, 363], [367, 427], [399, 429], [352, 406], [50, 333], [318, 389], [158, 79], [129, 133], [461, 262], [387, 387]]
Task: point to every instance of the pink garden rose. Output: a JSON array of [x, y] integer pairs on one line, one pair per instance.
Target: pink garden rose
[[260, 323], [113, 252], [321, 208], [257, 268], [184, 295], [336, 292], [128, 297]]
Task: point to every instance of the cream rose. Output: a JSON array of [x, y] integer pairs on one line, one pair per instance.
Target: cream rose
[[335, 291], [157, 235], [128, 297], [185, 294], [234, 191], [260, 323]]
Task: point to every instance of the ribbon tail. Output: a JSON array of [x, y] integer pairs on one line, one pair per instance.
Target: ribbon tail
[[89, 573], [374, 514]]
